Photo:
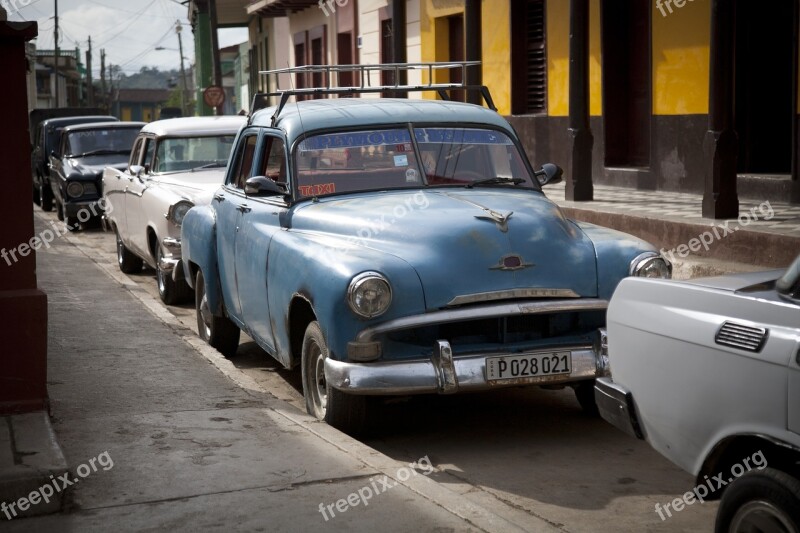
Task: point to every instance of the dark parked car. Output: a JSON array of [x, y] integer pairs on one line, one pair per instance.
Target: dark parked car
[[47, 135], [76, 166]]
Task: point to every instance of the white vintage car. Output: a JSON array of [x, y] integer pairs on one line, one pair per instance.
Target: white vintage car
[[708, 372], [175, 164]]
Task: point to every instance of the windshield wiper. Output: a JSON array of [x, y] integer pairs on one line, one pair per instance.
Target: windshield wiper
[[495, 181], [100, 152]]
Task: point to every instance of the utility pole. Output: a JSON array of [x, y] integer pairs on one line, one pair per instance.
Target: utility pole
[[89, 82], [212, 11], [55, 40], [184, 105], [103, 79]]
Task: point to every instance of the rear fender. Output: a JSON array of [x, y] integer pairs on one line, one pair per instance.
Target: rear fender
[[199, 251]]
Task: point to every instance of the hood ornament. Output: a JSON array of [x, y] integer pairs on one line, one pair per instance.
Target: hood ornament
[[511, 262], [499, 219]]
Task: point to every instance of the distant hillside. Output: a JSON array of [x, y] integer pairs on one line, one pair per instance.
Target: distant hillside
[[149, 78]]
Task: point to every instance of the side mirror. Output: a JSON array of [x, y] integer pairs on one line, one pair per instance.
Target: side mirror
[[263, 186], [137, 170], [549, 173]]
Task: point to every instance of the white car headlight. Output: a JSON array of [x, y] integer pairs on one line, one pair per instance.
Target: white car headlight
[[178, 211], [651, 265], [369, 294]]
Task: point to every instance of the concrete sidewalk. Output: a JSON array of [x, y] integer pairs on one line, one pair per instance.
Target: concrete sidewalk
[[157, 438]]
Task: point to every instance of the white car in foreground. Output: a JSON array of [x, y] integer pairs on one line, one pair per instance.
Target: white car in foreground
[[175, 164], [708, 372]]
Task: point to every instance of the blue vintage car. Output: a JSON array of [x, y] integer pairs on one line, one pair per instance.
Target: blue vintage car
[[393, 247]]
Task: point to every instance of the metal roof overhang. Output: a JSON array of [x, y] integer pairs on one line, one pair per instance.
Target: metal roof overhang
[[278, 8]]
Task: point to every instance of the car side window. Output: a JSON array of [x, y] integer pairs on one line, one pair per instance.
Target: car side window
[[244, 161], [275, 160], [135, 153], [149, 151]]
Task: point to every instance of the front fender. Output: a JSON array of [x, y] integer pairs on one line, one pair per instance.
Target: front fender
[[319, 269], [199, 250], [614, 252]]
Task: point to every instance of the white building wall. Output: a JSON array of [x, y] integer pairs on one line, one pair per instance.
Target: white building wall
[[369, 24]]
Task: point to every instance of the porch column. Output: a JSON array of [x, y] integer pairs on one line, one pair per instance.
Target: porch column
[[472, 29], [23, 307], [399, 44], [204, 72], [720, 199], [579, 182]]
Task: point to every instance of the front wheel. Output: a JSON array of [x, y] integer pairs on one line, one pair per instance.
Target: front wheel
[[346, 412], [761, 500], [172, 292], [218, 331]]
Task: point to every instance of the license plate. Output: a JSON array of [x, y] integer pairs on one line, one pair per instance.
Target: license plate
[[529, 365]]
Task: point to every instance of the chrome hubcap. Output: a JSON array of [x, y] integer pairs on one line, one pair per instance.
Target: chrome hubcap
[[319, 388], [160, 273], [761, 516], [205, 315], [119, 250]]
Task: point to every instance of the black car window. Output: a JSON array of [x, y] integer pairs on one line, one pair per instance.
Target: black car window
[[274, 163], [244, 162]]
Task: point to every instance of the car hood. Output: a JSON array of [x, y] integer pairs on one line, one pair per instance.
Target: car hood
[[93, 165], [196, 186], [449, 236], [737, 282]]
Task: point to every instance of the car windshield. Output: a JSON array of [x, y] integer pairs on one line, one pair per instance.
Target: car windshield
[[389, 159], [101, 141], [192, 153]]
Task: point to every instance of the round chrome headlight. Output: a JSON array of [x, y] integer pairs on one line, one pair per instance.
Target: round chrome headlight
[[651, 265], [178, 211], [369, 294], [75, 189]]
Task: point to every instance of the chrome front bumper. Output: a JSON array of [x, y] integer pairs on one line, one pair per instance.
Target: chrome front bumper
[[445, 374], [171, 263]]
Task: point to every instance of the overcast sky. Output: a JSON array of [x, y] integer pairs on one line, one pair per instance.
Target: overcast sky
[[128, 30]]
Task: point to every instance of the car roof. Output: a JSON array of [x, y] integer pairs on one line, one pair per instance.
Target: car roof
[[107, 125], [309, 115], [195, 126], [66, 121]]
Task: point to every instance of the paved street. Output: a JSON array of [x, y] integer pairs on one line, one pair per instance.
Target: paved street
[[529, 455]]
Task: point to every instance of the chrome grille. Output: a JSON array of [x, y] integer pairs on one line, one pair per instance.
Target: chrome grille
[[742, 337]]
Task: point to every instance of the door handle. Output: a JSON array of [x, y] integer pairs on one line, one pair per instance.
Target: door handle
[[243, 208], [219, 198]]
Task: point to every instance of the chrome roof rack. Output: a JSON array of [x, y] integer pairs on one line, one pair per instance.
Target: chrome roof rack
[[332, 81]]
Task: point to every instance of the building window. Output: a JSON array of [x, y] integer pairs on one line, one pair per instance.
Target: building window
[[529, 58]]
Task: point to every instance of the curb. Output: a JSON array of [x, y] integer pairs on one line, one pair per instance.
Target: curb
[[33, 460]]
